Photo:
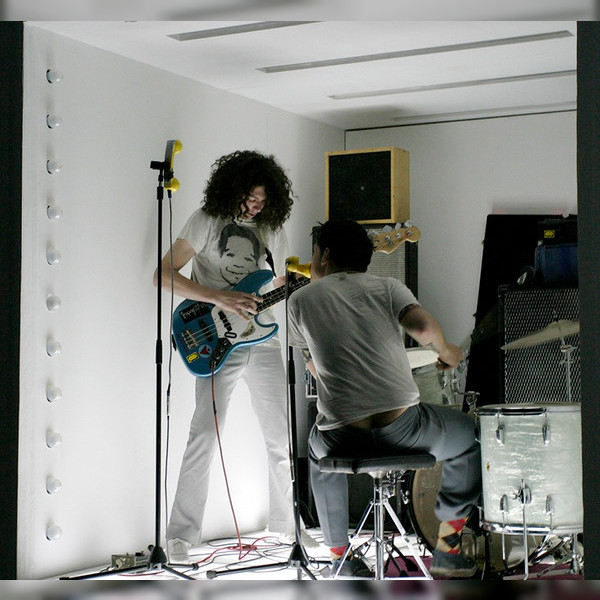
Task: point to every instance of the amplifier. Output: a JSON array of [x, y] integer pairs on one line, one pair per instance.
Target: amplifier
[[369, 185], [543, 371]]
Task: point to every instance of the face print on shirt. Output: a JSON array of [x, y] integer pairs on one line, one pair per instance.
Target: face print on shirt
[[239, 250]]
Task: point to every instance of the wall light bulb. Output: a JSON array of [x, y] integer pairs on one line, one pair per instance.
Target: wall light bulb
[[53, 533], [53, 393], [53, 256], [53, 485], [53, 121], [53, 166], [53, 439], [52, 302], [53, 76], [53, 347], [54, 212]]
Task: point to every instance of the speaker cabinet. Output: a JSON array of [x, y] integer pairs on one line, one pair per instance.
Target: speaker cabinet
[[400, 264], [370, 185], [538, 373]]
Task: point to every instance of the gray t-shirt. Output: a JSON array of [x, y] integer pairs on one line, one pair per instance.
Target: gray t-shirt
[[349, 322]]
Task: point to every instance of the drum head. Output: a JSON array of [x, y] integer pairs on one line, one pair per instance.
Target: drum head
[[423, 486]]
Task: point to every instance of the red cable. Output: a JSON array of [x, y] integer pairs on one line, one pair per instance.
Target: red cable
[[237, 531]]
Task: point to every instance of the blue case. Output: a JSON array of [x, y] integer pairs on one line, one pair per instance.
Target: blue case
[[557, 263]]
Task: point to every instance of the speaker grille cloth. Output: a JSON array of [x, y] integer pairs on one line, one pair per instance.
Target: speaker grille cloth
[[538, 373], [389, 265]]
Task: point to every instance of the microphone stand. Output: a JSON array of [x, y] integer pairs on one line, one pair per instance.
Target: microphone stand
[[298, 559], [157, 559]]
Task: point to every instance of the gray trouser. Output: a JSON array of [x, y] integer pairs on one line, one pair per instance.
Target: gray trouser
[[447, 433]]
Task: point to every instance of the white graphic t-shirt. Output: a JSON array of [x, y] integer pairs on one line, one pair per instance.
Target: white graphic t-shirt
[[227, 250]]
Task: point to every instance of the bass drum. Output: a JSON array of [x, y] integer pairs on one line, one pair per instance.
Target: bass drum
[[421, 489]]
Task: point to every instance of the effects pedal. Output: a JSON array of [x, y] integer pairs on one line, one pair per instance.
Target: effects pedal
[[126, 561]]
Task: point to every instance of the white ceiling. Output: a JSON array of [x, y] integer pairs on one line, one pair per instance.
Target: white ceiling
[[439, 70]]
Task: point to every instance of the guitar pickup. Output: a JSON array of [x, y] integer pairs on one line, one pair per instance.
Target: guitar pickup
[[188, 339]]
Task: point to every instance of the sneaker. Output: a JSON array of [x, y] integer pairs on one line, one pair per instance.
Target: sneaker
[[305, 538], [178, 551], [351, 567], [447, 566]]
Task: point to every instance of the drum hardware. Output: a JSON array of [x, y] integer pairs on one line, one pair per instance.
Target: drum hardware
[[567, 350], [471, 399], [523, 495], [546, 431], [500, 433], [557, 330], [550, 509]]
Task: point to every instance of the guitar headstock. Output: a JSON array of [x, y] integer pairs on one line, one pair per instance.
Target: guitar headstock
[[389, 241]]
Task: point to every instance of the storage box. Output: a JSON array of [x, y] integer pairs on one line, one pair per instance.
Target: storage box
[[556, 264]]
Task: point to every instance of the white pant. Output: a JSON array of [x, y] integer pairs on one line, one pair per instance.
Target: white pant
[[261, 366]]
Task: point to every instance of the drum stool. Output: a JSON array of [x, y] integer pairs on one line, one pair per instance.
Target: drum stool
[[385, 471]]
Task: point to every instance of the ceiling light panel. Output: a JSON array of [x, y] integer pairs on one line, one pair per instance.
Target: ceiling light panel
[[552, 35], [234, 30], [450, 85]]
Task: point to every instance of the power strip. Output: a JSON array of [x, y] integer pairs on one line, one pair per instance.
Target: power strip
[[126, 561]]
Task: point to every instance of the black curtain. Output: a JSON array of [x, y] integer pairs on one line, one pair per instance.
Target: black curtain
[[11, 99]]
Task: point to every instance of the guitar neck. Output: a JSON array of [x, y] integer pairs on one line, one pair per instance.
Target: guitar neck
[[278, 294]]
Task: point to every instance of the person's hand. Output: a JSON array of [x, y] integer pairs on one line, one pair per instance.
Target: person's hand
[[279, 281], [241, 303], [450, 358]]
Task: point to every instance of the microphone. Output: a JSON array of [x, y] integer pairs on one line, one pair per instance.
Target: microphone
[[293, 266], [173, 148]]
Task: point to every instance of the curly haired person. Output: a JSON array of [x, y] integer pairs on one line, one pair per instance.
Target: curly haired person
[[236, 231]]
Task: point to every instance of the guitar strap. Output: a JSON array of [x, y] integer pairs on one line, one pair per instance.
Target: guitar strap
[[270, 261]]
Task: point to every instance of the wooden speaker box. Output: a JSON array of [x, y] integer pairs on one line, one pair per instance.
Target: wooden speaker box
[[369, 185]]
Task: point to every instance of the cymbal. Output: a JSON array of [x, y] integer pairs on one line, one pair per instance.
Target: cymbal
[[555, 331], [420, 357]]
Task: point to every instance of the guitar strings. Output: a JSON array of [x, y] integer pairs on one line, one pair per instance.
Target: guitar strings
[[211, 329]]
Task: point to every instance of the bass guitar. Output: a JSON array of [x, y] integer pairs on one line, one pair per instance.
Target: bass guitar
[[205, 335]]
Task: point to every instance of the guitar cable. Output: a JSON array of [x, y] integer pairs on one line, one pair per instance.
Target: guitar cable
[[229, 498]]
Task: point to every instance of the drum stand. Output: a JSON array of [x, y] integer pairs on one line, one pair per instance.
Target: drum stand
[[567, 350]]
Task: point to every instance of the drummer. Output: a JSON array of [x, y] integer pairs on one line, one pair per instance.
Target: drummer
[[350, 325]]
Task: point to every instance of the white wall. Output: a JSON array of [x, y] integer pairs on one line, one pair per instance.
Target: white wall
[[463, 171], [118, 115]]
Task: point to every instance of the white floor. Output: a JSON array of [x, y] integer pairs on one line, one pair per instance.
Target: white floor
[[261, 556]]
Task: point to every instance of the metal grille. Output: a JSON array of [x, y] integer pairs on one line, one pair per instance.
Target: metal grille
[[389, 265], [538, 373]]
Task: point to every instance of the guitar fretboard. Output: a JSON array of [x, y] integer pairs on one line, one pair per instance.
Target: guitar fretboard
[[278, 294]]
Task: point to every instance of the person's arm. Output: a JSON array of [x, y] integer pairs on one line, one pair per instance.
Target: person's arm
[[308, 361], [182, 251], [425, 329]]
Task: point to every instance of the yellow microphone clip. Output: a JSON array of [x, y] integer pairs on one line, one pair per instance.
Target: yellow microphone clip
[[294, 266], [173, 147]]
